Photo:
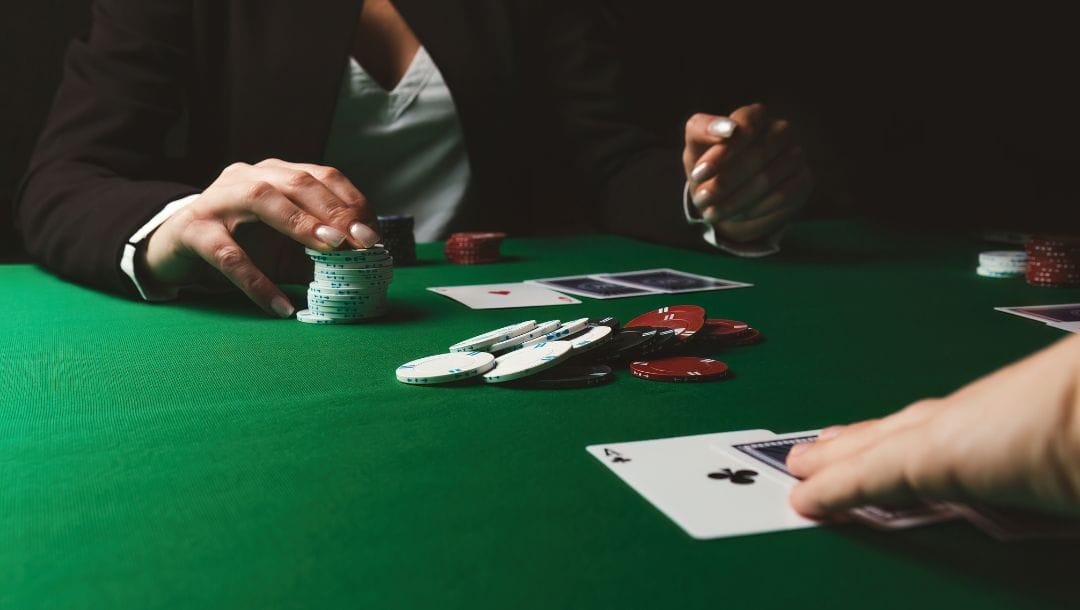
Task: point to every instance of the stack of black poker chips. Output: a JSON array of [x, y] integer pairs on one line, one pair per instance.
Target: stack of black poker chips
[[397, 237]]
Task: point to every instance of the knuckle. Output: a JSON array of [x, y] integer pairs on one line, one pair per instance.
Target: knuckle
[[234, 168], [260, 189], [299, 222], [696, 121], [300, 180], [229, 258], [268, 162], [257, 283], [327, 174]]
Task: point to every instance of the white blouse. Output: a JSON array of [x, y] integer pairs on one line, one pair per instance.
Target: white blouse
[[404, 149]]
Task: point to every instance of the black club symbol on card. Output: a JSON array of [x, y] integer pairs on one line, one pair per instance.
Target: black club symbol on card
[[615, 456], [738, 477]]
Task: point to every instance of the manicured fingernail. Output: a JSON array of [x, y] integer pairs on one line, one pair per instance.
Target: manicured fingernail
[[702, 172], [701, 196], [363, 234], [722, 128], [830, 433], [329, 236], [282, 307]]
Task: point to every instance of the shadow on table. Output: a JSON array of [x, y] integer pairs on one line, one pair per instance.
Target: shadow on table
[[1044, 569]]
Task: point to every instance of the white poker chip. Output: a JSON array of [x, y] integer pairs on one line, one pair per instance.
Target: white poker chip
[[339, 255], [354, 272], [541, 329], [349, 285], [528, 361], [1012, 262], [591, 339], [363, 275], [379, 286], [567, 329], [308, 317], [353, 299], [486, 340], [346, 309], [382, 263], [984, 272], [1002, 256], [444, 368], [324, 288]]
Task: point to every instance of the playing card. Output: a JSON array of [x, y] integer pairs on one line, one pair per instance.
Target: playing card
[[503, 296], [670, 281], [1015, 524], [591, 286], [1067, 313], [772, 450], [1072, 327], [706, 494]]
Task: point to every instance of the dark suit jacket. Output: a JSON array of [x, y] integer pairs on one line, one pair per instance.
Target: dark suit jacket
[[165, 93]]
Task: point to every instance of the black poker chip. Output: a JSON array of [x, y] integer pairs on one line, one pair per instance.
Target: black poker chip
[[570, 375], [610, 322], [665, 340], [626, 345], [396, 231]]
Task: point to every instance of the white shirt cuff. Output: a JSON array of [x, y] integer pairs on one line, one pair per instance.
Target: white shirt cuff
[[765, 247], [127, 259]]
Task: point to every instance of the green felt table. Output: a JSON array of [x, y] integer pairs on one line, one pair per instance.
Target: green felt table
[[199, 454]]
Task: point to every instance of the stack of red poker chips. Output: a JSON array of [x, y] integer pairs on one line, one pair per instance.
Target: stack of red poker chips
[[685, 320], [1053, 261], [473, 248]]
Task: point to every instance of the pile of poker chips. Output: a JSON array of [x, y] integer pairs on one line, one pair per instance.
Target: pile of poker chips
[[398, 238], [473, 248], [1002, 264], [349, 286], [669, 344], [1053, 261]]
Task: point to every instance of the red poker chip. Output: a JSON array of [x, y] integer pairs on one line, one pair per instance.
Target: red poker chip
[[680, 369], [718, 328], [750, 337], [1053, 260], [473, 248], [685, 320]]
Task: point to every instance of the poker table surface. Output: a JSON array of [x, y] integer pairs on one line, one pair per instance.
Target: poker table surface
[[201, 454]]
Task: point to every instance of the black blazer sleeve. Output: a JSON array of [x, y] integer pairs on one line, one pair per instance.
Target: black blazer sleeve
[[99, 171], [639, 179]]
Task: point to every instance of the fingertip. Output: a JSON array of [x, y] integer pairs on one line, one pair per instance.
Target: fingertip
[[364, 235], [798, 450], [802, 504], [702, 172], [701, 197], [282, 307]]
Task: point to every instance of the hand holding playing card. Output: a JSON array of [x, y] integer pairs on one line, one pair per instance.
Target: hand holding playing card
[[1012, 438], [747, 176]]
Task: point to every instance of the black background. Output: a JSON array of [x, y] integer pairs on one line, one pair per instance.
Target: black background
[[920, 115]]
